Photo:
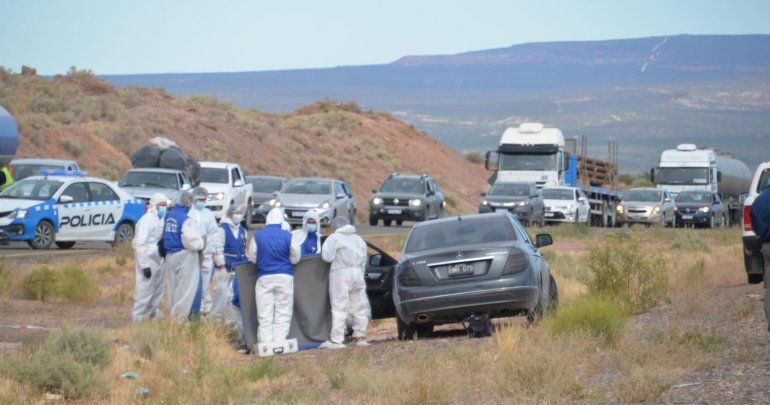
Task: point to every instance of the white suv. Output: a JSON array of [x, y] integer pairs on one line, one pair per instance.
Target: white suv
[[752, 246], [227, 186]]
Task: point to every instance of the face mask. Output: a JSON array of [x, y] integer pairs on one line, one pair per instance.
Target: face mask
[[312, 228], [237, 219], [162, 212], [199, 205]]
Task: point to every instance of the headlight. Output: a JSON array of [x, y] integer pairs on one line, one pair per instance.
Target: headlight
[[676, 208], [522, 203], [274, 203], [217, 196], [484, 202], [415, 203], [325, 205], [19, 214], [377, 201], [620, 209], [703, 209], [656, 211]]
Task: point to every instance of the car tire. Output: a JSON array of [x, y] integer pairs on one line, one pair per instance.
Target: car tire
[[386, 222], [538, 312], [43, 236], [65, 245], [373, 221], [124, 234], [399, 222], [412, 332], [755, 278]]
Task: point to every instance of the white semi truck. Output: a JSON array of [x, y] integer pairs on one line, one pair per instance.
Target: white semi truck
[[690, 168], [533, 153]]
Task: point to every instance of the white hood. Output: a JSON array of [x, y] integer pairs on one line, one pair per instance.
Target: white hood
[[213, 188], [10, 204]]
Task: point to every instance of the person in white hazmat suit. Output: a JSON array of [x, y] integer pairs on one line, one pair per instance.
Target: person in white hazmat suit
[[274, 257], [230, 251], [207, 225], [347, 253], [182, 245], [148, 264], [307, 237]]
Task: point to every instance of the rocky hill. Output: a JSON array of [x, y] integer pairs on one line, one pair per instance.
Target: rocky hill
[[85, 118]]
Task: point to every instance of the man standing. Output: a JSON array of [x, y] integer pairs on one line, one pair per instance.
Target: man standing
[[207, 226], [230, 251], [307, 237], [347, 254], [182, 244], [760, 222], [275, 256], [149, 276]]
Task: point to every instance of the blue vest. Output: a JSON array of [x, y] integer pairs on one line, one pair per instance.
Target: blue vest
[[235, 247], [172, 229], [273, 248], [310, 245]]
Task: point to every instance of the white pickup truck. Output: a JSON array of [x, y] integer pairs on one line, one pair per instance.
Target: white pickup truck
[[227, 186]]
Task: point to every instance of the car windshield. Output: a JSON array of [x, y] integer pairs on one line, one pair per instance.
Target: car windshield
[[643, 195], [510, 189], [509, 161], [150, 179], [264, 185], [214, 175], [307, 187], [402, 185], [693, 196], [683, 175], [22, 171], [764, 181], [32, 189], [459, 233], [557, 194]]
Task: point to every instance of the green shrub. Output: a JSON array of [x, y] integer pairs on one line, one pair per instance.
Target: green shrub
[[70, 363], [6, 279], [474, 157], [625, 271], [704, 340], [598, 317], [106, 269], [40, 284], [75, 285], [689, 240]]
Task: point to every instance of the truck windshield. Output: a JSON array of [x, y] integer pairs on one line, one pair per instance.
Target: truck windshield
[[264, 185], [214, 175], [459, 233], [403, 185], [683, 175], [150, 179], [510, 189], [32, 189], [307, 187], [21, 172], [643, 196], [509, 161], [557, 194]]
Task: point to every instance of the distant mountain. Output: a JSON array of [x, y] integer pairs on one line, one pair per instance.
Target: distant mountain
[[648, 94]]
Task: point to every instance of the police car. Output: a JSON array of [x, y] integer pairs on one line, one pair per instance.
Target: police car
[[65, 207]]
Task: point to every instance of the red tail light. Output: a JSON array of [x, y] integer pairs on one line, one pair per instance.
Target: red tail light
[[747, 218]]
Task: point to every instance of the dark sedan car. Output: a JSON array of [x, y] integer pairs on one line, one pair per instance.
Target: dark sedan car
[[523, 200], [264, 189], [457, 267], [700, 209]]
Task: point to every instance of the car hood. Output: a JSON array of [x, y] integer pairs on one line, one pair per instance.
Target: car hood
[[505, 198], [404, 196], [214, 188], [10, 204], [261, 197], [559, 203], [692, 205], [640, 204], [303, 200], [148, 192]]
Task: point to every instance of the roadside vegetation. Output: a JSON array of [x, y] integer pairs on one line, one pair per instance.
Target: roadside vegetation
[[631, 325]]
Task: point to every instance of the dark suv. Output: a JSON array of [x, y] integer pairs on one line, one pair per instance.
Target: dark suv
[[406, 197]]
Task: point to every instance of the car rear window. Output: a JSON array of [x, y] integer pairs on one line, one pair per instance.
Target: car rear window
[[764, 180], [459, 233]]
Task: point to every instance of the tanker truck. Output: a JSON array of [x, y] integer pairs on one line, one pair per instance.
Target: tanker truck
[[690, 168], [9, 136]]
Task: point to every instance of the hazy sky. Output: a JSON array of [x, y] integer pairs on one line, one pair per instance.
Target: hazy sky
[[137, 36]]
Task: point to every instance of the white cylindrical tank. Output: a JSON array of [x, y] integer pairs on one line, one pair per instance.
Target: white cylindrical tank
[[736, 176]]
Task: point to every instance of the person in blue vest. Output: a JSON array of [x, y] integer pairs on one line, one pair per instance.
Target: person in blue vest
[[307, 237], [230, 250], [760, 222], [274, 255], [182, 244]]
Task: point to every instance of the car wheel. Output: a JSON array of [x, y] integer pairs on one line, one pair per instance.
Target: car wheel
[[43, 236], [65, 245], [386, 222], [399, 222], [412, 332], [373, 221], [538, 312], [124, 234]]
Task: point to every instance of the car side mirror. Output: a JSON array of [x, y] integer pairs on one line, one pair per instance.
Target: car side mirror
[[483, 194], [238, 183], [652, 175], [582, 199], [374, 191], [186, 187], [66, 199], [719, 176], [543, 240], [340, 196], [375, 260]]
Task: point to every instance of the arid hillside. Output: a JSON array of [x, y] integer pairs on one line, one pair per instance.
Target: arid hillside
[[82, 117]]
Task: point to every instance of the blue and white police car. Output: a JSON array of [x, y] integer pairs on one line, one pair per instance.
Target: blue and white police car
[[65, 207]]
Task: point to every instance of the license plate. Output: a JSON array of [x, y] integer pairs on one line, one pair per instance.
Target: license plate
[[687, 216], [549, 214], [394, 212], [298, 214], [459, 269]]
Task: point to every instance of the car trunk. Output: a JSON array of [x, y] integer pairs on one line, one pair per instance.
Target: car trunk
[[452, 266]]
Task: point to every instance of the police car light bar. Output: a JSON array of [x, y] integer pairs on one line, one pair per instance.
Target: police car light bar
[[62, 172]]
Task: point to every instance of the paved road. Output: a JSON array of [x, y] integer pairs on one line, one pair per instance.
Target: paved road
[[21, 249]]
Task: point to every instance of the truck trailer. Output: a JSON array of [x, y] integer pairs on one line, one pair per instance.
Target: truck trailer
[[537, 154], [9, 136]]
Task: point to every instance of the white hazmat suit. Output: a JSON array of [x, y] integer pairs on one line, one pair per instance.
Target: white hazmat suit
[[298, 236], [347, 253], [148, 291], [182, 268], [206, 224], [222, 280]]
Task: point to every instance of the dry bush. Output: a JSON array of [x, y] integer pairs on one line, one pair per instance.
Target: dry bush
[[77, 286], [40, 284], [597, 317], [474, 157]]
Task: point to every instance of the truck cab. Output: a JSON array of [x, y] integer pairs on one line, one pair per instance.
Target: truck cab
[[226, 185], [531, 153], [687, 168]]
